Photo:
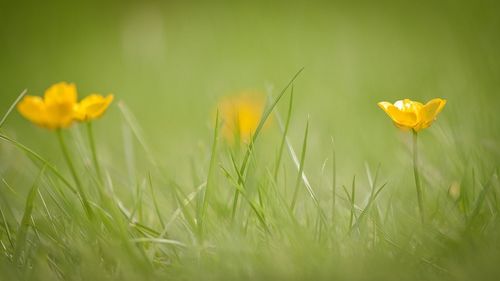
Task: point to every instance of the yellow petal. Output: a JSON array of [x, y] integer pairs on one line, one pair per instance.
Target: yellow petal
[[430, 111], [61, 92], [384, 105], [33, 109], [403, 113], [60, 100], [60, 115], [92, 107], [240, 115]]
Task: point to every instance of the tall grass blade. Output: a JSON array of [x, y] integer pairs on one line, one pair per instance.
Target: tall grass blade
[[7, 228], [269, 109], [265, 115], [25, 221], [301, 167], [284, 134], [74, 173], [41, 159], [204, 194], [11, 108], [334, 181], [155, 202], [131, 121]]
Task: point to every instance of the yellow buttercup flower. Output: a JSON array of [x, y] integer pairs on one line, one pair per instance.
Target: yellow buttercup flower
[[92, 107], [240, 115], [408, 114], [55, 110]]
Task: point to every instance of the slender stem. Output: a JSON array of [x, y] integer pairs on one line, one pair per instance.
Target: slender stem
[[235, 204], [301, 168], [417, 176], [205, 194], [90, 133], [334, 182], [72, 169], [283, 138]]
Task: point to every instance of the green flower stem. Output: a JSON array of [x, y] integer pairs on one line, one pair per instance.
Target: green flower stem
[[90, 133], [71, 167], [418, 184]]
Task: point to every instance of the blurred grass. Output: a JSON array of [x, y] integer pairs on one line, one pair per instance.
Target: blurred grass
[[171, 62]]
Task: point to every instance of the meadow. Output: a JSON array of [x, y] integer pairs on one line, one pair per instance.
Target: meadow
[[245, 141]]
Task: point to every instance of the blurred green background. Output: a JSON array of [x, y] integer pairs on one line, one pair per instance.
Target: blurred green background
[[170, 62]]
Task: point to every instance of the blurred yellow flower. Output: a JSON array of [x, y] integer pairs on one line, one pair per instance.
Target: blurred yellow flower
[[454, 190], [408, 114], [240, 115], [55, 110], [92, 107]]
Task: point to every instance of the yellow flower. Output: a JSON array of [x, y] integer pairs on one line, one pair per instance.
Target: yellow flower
[[55, 110], [240, 115], [408, 114], [92, 107]]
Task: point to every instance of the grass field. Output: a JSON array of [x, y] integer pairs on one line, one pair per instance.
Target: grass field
[[164, 189]]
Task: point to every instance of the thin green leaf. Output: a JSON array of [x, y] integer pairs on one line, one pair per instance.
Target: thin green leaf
[[25, 221], [11, 108], [301, 167]]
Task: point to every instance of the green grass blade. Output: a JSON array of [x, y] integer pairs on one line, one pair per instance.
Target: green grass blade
[[334, 182], [7, 228], [25, 221], [284, 134], [353, 200], [47, 212], [41, 159], [155, 202], [93, 150], [301, 167], [240, 189], [211, 168], [175, 215], [265, 116], [67, 156], [479, 202], [269, 109], [368, 206], [138, 202], [304, 178], [240, 183], [132, 123], [11, 108], [158, 241], [374, 191]]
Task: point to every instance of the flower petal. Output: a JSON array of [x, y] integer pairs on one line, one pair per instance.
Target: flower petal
[[61, 92], [430, 111], [60, 115], [92, 107], [33, 109], [240, 115], [60, 100], [403, 116], [384, 105]]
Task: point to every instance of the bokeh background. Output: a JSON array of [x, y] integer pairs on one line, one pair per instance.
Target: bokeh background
[[170, 62]]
